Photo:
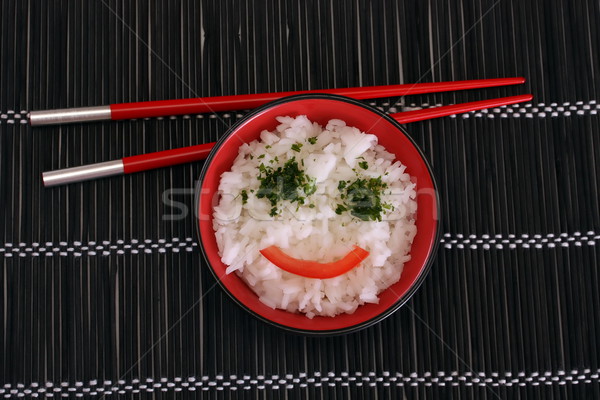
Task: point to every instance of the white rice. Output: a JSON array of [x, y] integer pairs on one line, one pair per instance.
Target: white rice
[[317, 233]]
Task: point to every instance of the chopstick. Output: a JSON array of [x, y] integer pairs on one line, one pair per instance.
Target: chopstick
[[144, 162], [147, 109], [444, 111]]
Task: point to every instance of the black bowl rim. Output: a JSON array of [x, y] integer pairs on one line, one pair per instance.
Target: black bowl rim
[[353, 328]]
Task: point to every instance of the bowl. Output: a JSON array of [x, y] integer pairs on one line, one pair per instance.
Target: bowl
[[322, 108]]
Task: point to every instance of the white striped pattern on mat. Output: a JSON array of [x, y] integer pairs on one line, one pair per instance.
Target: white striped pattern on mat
[[14, 117], [540, 110], [148, 246], [524, 240], [301, 380]]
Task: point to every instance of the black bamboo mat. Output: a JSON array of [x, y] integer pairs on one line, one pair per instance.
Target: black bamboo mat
[[103, 291]]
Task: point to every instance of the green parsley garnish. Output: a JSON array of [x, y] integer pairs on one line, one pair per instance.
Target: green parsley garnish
[[363, 165], [260, 157], [296, 147], [244, 194], [312, 140], [340, 209], [363, 199], [309, 188], [288, 182]]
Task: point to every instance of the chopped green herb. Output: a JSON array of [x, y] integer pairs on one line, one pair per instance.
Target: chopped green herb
[[251, 157], [288, 182], [363, 199], [312, 140], [261, 157], [310, 187], [340, 209], [268, 146], [244, 194], [342, 185], [363, 165], [296, 147], [311, 206], [273, 212]]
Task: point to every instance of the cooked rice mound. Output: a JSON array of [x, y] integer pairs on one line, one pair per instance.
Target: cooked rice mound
[[243, 224]]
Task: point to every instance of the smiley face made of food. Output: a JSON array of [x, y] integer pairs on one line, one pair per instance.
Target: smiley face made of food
[[317, 220]]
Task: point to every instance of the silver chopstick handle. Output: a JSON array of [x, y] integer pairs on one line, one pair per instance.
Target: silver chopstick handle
[[83, 173], [69, 115]]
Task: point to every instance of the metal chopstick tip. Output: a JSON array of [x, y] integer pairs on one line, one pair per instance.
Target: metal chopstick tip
[[69, 115], [82, 173]]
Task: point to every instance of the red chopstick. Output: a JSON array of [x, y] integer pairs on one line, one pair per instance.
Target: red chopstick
[[143, 162], [200, 105], [437, 112]]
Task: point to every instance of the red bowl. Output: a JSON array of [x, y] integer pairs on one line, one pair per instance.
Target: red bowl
[[322, 108]]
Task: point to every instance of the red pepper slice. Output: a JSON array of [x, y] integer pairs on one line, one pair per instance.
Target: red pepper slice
[[313, 269]]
